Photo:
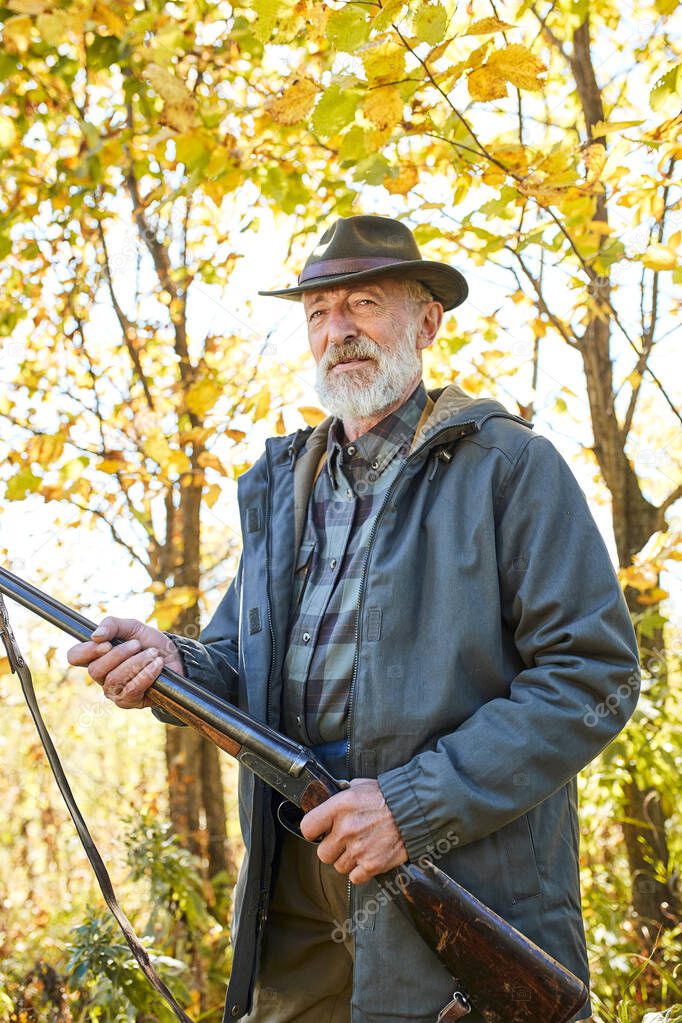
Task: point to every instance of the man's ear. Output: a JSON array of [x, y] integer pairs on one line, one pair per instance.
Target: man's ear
[[430, 319]]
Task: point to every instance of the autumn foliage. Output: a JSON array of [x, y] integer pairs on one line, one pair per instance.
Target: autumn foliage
[[150, 148]]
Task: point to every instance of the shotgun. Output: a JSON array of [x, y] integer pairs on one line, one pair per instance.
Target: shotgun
[[498, 972]]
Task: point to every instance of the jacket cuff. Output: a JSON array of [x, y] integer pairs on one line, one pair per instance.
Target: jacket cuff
[[408, 814], [200, 667]]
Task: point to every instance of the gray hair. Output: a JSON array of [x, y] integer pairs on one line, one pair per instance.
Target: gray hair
[[417, 291]]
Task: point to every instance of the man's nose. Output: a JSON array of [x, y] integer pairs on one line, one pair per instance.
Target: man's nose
[[341, 327]]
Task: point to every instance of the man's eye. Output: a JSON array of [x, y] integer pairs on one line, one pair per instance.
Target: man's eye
[[315, 312]]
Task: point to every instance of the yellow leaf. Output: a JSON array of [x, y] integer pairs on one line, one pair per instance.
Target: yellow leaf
[[262, 404], [207, 460], [280, 428], [312, 415], [660, 257], [178, 103], [235, 435], [484, 85], [439, 51], [169, 608], [430, 22], [594, 158], [599, 227], [103, 13], [384, 63], [112, 465], [512, 155], [29, 6], [295, 103], [8, 133], [16, 34], [4, 666], [606, 127], [383, 107], [203, 395], [652, 596], [55, 27], [516, 64], [485, 26], [45, 448], [212, 493], [406, 178]]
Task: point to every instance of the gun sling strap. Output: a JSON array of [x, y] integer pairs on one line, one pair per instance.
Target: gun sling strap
[[19, 665]]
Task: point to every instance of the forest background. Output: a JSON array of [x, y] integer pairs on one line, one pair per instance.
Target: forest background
[[161, 162]]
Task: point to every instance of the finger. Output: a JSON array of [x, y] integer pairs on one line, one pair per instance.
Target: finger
[[345, 863], [120, 675], [330, 848], [320, 820], [116, 628], [82, 653], [103, 666], [360, 874], [132, 695]]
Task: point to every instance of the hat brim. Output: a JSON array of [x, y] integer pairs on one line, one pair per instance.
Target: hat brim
[[447, 285]]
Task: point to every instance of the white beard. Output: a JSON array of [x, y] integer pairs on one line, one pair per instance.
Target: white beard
[[364, 392]]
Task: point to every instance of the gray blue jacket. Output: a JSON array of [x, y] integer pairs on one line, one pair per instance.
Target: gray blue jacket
[[495, 658]]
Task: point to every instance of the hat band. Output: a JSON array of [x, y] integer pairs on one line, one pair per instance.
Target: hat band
[[329, 267]]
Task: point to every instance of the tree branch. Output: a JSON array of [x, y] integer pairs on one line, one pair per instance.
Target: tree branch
[[670, 499], [127, 328]]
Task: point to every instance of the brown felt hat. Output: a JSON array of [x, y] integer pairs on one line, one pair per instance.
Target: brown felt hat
[[366, 247]]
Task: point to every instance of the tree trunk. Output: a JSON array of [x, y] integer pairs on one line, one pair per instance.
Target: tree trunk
[[634, 518], [195, 792]]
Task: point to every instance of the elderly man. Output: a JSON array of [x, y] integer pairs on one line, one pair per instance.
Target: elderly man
[[424, 598]]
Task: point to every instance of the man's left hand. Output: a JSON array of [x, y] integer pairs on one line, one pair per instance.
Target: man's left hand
[[361, 835]]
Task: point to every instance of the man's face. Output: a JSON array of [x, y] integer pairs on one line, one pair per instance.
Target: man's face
[[365, 342]]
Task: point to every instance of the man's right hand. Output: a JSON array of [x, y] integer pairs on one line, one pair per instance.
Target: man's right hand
[[127, 670]]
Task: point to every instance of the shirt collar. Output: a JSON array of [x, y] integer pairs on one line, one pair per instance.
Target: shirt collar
[[375, 449]]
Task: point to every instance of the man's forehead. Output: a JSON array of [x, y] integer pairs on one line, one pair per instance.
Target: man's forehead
[[374, 287]]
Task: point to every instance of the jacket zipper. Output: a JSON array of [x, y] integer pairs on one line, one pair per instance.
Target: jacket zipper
[[271, 627], [465, 428]]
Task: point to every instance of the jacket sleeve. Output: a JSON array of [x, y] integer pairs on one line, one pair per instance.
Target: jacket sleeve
[[212, 660], [579, 683]]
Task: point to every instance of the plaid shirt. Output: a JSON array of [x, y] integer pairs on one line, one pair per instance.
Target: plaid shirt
[[342, 508]]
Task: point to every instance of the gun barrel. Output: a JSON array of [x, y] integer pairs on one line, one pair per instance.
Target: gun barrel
[[240, 728]]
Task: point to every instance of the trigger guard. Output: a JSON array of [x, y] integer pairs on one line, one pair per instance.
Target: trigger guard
[[290, 817]]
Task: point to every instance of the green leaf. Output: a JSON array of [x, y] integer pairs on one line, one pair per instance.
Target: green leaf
[[430, 23], [335, 109], [23, 483], [354, 145], [372, 170], [348, 28], [267, 12], [669, 84]]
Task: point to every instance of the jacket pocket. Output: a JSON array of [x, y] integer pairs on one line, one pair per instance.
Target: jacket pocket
[[522, 866]]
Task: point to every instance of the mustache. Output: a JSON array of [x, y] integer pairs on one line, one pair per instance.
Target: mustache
[[359, 348]]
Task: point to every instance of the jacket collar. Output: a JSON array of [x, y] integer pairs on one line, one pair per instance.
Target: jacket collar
[[446, 407]]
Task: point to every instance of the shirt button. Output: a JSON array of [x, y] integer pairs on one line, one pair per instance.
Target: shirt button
[[306, 637], [332, 564], [349, 493], [351, 449], [299, 719], [375, 464]]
